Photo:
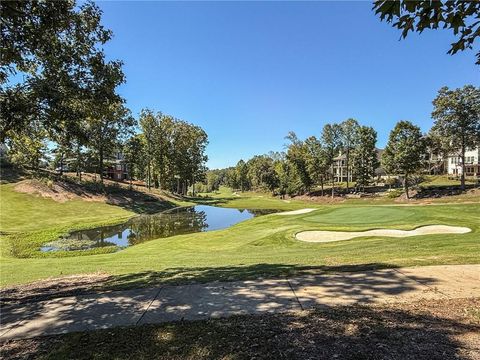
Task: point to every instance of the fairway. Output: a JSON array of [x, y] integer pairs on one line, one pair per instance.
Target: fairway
[[363, 215], [259, 247]]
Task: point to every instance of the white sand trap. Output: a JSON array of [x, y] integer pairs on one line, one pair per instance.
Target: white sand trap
[[296, 212], [328, 236]]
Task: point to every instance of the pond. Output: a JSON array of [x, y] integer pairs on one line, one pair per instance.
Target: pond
[[147, 227]]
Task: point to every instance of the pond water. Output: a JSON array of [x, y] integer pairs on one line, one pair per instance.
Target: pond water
[[161, 225]]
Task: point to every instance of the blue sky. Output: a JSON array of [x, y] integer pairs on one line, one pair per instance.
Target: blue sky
[[249, 72]]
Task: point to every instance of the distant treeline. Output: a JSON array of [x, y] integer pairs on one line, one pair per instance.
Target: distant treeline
[[311, 162]]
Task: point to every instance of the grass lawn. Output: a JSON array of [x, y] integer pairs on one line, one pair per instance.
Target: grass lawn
[[263, 246], [22, 212], [443, 180], [226, 197]]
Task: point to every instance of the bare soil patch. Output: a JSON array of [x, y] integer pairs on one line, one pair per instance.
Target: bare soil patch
[[427, 329], [59, 190], [53, 288], [136, 199]]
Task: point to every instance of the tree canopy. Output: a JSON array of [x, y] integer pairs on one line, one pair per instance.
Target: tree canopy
[[456, 117], [462, 17]]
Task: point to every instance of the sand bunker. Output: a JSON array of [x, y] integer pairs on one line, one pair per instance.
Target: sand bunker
[[328, 236], [296, 212]]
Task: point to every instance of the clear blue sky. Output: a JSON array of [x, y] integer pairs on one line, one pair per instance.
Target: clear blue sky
[[249, 72]]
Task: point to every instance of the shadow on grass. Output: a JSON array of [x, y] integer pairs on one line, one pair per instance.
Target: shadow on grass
[[93, 283], [434, 330], [189, 275]]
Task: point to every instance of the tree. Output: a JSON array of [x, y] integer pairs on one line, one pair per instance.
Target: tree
[[437, 150], [462, 17], [261, 173], [50, 46], [147, 124], [331, 139], [365, 155], [457, 119], [317, 160], [404, 150], [27, 147], [348, 138], [241, 170], [297, 155], [133, 151], [107, 127]]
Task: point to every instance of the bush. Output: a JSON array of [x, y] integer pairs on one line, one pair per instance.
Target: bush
[[395, 193]]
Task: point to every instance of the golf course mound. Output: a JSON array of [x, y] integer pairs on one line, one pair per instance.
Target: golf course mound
[[329, 236]]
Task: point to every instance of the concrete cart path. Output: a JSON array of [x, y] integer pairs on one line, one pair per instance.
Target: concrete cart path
[[220, 299]]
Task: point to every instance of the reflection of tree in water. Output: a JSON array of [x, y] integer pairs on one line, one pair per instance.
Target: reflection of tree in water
[[260, 212], [99, 236], [180, 221], [147, 227]]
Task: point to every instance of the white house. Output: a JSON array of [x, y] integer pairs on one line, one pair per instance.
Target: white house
[[472, 163]]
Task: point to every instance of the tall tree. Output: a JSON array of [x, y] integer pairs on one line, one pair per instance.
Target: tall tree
[[457, 119], [462, 17], [241, 170], [147, 124], [261, 173], [133, 151], [404, 150], [365, 156], [331, 139], [348, 138], [49, 47], [297, 155], [317, 160], [107, 128]]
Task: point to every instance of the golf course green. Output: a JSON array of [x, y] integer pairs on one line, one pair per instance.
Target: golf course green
[[262, 246]]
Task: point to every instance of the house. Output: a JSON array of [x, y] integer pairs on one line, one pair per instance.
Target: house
[[340, 167], [472, 163], [117, 168], [435, 164]]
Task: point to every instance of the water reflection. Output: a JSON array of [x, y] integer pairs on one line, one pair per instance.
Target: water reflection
[[147, 227]]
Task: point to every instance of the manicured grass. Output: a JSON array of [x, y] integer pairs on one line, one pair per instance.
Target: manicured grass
[[23, 212], [226, 197], [263, 246], [443, 180]]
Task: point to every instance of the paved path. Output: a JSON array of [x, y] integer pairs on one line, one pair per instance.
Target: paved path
[[190, 302]]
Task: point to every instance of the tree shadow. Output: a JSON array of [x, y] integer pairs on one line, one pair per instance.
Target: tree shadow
[[428, 330], [440, 191], [93, 283], [9, 174], [310, 287], [191, 275]]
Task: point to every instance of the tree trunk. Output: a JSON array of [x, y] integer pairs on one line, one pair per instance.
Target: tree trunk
[[100, 163], [321, 184], [333, 181], [405, 185], [347, 160], [462, 176], [193, 186], [61, 165], [149, 180]]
